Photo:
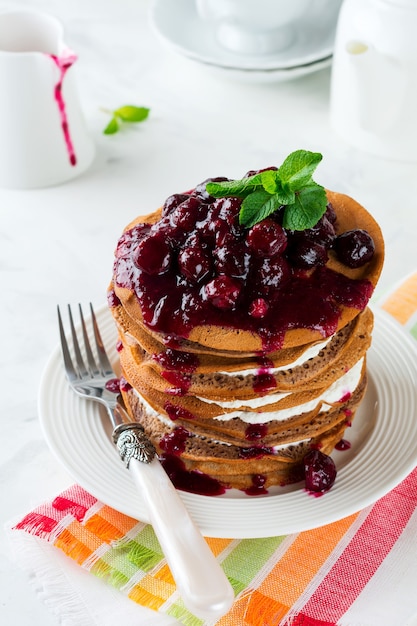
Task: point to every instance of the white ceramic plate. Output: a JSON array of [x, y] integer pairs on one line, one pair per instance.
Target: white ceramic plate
[[383, 451], [179, 27]]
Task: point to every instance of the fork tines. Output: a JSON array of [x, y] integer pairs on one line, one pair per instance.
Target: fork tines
[[81, 369]]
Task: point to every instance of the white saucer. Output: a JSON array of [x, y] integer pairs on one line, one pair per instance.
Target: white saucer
[[268, 75], [179, 26]]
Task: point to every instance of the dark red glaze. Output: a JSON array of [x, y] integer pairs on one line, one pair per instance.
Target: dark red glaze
[[204, 270], [113, 385], [258, 486], [263, 383], [175, 412], [192, 481], [63, 64], [258, 308], [119, 346], [180, 382], [254, 432], [185, 362], [346, 397], [174, 442], [112, 299], [343, 445], [124, 385]]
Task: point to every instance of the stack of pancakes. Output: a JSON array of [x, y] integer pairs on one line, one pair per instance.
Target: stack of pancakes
[[216, 400]]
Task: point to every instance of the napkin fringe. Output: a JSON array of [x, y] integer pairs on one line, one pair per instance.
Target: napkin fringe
[[48, 581]]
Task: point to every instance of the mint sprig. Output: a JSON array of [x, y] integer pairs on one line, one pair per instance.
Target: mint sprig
[[290, 188], [128, 113]]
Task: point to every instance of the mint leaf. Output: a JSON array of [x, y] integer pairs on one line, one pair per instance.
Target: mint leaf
[[297, 169], [125, 114], [112, 127], [131, 113], [270, 181], [309, 206], [290, 187], [257, 206], [235, 188]]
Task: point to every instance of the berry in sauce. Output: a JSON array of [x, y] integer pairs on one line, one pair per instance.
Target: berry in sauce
[[320, 472], [172, 202], [267, 238], [222, 292], [354, 248], [194, 260], [153, 254], [307, 254]]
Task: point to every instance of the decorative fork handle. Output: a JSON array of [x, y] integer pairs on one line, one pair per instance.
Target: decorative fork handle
[[201, 581], [132, 443]]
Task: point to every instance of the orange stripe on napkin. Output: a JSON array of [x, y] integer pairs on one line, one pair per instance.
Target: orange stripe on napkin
[[302, 560], [402, 304], [77, 542], [217, 545], [109, 524], [151, 592]]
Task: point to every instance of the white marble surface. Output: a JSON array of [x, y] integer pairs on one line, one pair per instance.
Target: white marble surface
[[56, 244]]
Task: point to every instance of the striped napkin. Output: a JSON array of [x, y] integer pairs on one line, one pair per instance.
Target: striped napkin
[[359, 571]]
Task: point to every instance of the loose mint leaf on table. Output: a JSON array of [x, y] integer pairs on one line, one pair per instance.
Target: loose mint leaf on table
[[131, 113], [128, 113], [112, 127], [290, 188]]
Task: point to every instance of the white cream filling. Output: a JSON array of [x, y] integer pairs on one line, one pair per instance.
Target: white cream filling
[[167, 422], [308, 354], [346, 384], [252, 403]]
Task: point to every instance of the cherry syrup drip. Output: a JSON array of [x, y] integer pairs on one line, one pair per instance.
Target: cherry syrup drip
[[112, 300], [192, 481], [264, 381], [124, 385], [254, 432], [175, 360], [113, 385], [63, 64], [343, 445], [258, 486], [180, 382], [346, 397], [175, 412], [174, 442]]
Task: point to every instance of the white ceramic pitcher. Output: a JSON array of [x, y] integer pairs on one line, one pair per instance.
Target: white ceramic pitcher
[[43, 138], [373, 102]]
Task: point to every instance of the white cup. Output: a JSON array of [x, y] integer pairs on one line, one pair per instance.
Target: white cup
[[253, 26], [43, 138]]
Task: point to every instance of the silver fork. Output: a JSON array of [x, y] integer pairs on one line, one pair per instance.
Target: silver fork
[[201, 581]]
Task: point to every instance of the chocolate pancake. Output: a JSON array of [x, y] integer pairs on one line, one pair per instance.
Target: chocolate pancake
[[238, 359]]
